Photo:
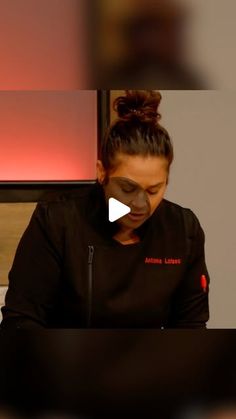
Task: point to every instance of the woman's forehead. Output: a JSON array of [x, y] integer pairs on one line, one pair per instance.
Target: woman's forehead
[[146, 171], [140, 166]]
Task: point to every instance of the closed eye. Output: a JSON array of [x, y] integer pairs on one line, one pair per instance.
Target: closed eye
[[128, 190], [153, 193]]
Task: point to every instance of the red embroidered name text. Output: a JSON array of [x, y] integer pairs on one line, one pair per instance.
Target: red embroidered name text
[[163, 261]]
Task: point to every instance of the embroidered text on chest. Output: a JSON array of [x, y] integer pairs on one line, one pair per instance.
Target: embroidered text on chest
[[164, 261]]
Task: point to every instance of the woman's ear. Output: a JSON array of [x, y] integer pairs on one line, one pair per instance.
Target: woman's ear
[[100, 171]]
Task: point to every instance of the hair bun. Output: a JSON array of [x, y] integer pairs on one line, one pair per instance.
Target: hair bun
[[139, 105]]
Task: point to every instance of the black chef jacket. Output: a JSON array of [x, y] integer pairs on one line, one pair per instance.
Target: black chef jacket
[[69, 272]]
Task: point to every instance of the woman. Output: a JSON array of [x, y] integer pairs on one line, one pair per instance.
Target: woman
[[74, 268]]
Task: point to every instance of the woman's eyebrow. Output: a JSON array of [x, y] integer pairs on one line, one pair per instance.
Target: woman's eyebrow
[[128, 182], [154, 186]]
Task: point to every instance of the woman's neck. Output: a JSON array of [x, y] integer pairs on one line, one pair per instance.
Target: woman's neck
[[126, 236]]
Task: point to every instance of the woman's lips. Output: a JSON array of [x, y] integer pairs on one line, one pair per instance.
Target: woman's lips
[[136, 217]]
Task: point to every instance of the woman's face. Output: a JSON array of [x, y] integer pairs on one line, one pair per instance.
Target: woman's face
[[137, 181]]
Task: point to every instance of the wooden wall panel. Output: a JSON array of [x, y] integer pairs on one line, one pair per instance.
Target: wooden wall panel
[[14, 219]]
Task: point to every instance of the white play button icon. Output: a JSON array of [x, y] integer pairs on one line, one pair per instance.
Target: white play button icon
[[116, 209]]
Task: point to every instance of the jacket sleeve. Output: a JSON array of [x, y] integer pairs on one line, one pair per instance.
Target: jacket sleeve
[[190, 305], [35, 276]]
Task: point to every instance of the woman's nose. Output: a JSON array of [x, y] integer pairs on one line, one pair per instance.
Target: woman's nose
[[140, 202]]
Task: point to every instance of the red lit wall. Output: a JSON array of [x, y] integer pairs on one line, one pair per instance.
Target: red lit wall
[[43, 44], [47, 136]]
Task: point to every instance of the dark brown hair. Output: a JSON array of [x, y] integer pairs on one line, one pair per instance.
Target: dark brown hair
[[137, 130]]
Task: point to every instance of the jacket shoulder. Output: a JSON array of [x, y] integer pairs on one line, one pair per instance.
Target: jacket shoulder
[[189, 218], [175, 207], [67, 195], [60, 207]]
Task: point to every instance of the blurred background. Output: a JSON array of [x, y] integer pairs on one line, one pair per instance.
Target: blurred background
[[119, 373], [76, 44]]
